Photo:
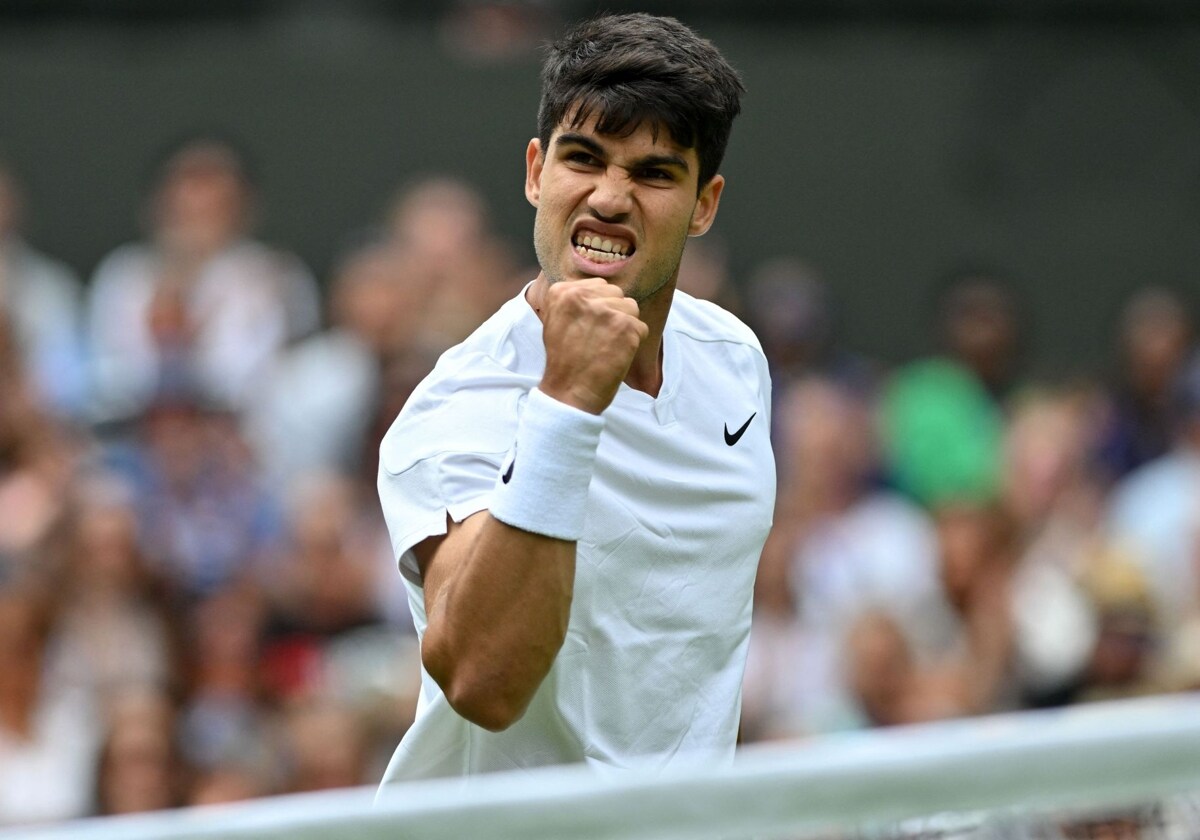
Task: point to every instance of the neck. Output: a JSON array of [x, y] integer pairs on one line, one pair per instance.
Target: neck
[[646, 372]]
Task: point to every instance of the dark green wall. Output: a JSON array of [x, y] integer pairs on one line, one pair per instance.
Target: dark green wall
[[1066, 153]]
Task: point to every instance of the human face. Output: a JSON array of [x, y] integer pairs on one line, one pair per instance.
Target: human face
[[618, 208]]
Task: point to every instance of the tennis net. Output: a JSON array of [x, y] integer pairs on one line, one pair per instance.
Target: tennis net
[[1113, 771]]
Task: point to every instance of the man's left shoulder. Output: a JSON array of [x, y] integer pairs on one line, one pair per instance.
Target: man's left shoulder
[[703, 320]]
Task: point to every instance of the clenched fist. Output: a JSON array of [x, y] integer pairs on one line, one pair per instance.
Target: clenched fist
[[591, 332]]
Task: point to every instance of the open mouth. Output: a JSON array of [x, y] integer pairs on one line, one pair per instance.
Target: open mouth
[[601, 249]]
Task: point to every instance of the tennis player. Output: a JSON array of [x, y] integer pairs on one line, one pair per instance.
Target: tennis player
[[578, 494]]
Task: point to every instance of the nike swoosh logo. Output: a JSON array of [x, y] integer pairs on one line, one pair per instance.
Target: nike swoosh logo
[[508, 473], [731, 439]]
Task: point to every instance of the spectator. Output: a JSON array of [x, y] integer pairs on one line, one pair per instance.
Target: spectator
[[37, 459], [788, 304], [43, 300], [1154, 335], [1053, 495], [443, 248], [224, 719], [49, 733], [199, 299], [205, 516], [312, 411], [325, 747], [841, 547], [1155, 516], [978, 325], [140, 768], [114, 626]]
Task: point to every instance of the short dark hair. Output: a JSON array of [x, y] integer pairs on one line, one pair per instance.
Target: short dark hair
[[637, 69]]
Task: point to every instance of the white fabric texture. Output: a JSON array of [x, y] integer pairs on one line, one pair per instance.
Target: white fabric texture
[[557, 446], [652, 664]]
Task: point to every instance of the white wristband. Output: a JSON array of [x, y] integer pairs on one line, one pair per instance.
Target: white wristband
[[543, 484]]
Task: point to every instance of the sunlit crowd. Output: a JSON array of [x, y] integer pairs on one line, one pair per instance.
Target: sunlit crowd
[[199, 601]]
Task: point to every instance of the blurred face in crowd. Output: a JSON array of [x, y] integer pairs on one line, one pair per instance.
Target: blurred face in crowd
[[441, 218], [619, 208], [1155, 337], [106, 556], [980, 328], [826, 440], [202, 202], [1045, 449]]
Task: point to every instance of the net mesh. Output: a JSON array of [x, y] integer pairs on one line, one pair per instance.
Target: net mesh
[[1119, 771]]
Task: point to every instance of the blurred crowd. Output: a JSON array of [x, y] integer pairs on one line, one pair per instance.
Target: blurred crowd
[[198, 598]]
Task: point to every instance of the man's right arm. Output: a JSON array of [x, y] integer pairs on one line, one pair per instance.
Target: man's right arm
[[498, 597], [498, 600]]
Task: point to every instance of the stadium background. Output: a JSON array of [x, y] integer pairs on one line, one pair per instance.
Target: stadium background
[[888, 142]]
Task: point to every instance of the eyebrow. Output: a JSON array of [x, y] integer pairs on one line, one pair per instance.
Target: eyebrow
[[573, 138]]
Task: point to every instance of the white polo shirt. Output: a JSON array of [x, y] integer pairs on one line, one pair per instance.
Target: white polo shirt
[[679, 506]]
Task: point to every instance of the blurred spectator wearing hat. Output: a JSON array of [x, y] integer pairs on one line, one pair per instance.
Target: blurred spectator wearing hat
[[199, 297]]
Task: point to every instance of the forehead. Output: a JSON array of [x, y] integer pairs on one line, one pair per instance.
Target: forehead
[[646, 137]]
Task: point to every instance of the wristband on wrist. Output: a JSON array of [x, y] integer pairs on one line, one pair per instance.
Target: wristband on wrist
[[543, 484]]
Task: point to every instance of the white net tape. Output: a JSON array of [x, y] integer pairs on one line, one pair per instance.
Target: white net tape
[[992, 778]]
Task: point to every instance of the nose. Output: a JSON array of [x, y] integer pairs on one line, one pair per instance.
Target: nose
[[611, 198]]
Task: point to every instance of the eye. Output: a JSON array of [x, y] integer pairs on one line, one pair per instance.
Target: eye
[[655, 174], [582, 159]]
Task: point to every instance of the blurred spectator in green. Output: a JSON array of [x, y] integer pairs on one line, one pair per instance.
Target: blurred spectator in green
[[43, 301], [199, 298], [942, 415], [1154, 336], [942, 433]]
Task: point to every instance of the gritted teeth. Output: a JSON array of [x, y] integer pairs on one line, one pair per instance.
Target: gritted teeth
[[601, 249]]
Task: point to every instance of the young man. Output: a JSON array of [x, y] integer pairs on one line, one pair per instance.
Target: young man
[[578, 494]]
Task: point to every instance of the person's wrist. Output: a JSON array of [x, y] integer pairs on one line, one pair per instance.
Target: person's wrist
[[575, 396], [543, 483]]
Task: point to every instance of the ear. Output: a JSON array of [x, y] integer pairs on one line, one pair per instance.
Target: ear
[[534, 161], [706, 206]]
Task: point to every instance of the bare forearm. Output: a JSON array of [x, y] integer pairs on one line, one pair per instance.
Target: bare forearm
[[496, 627]]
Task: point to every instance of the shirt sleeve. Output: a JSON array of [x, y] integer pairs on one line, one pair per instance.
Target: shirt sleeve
[[443, 454], [417, 500]]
